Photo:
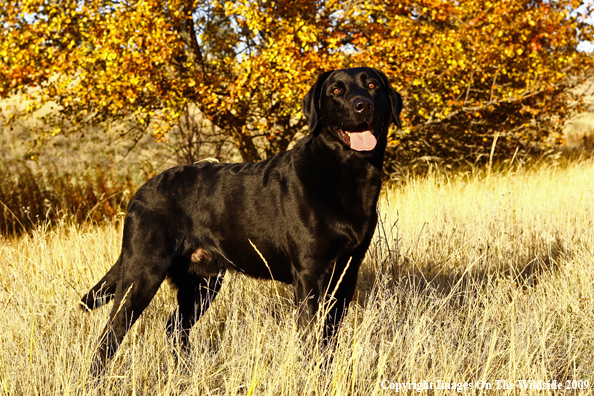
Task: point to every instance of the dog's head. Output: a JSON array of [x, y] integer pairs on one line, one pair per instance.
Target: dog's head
[[355, 105]]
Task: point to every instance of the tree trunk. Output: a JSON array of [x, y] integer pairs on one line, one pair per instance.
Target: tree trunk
[[245, 144]]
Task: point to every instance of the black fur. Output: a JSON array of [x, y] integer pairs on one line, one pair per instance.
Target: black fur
[[308, 211]]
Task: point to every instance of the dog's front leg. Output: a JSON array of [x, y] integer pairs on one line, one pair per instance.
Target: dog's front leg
[[329, 292], [340, 292], [308, 287]]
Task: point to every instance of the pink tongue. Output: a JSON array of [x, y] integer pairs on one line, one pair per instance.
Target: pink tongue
[[363, 141]]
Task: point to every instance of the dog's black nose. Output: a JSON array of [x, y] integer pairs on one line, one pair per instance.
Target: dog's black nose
[[363, 106]]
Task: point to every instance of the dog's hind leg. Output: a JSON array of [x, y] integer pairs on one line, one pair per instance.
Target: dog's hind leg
[[194, 296], [104, 290], [139, 281]]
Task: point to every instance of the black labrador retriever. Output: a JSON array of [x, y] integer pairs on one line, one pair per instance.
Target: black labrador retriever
[[310, 212]]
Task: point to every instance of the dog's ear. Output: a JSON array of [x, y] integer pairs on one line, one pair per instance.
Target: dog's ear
[[311, 101], [395, 98]]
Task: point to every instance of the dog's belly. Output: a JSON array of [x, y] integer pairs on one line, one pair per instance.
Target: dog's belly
[[250, 262]]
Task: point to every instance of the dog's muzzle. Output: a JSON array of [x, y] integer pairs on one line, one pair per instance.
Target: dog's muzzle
[[360, 138]]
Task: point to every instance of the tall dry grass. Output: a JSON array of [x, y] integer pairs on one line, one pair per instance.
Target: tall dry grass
[[30, 195], [472, 276]]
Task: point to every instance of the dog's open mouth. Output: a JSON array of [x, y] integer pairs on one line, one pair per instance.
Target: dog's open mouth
[[359, 138]]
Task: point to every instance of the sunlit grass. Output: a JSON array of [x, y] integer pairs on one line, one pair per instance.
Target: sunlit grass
[[471, 277]]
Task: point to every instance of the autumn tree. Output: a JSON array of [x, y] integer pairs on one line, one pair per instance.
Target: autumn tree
[[467, 70], [476, 73], [246, 65]]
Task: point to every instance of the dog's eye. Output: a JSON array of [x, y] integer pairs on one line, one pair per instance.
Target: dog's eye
[[336, 91], [371, 85]]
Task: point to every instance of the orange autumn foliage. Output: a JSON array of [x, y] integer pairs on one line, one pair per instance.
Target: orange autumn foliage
[[468, 71]]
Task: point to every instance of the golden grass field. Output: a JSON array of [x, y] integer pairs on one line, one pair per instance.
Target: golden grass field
[[472, 277]]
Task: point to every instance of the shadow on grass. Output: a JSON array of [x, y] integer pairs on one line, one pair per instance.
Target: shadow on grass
[[480, 269]]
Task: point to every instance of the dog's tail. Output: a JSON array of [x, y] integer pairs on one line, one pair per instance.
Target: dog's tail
[[104, 290]]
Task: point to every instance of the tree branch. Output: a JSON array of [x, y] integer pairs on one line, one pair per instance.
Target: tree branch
[[463, 110]]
